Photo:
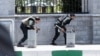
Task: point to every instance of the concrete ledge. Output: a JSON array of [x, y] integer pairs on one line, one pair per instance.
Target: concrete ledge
[[50, 48], [54, 15], [47, 15]]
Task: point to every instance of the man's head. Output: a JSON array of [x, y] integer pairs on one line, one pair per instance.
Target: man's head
[[37, 19], [72, 16]]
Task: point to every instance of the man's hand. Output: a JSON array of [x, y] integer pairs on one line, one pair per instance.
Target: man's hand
[[34, 28], [37, 29], [62, 30]]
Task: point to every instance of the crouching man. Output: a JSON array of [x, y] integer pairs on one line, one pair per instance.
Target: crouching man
[[27, 24], [60, 27]]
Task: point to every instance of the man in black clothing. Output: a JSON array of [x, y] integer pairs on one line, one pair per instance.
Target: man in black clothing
[[27, 24], [60, 27]]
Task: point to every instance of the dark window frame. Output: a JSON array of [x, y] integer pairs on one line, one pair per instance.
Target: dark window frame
[[84, 8]]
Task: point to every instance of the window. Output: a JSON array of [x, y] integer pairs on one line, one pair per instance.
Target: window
[[51, 6]]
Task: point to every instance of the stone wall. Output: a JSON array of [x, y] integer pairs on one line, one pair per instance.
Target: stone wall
[[82, 24]]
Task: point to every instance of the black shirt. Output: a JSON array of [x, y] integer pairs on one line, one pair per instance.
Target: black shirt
[[61, 24]]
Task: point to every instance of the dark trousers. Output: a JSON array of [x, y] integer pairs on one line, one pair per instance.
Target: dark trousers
[[57, 35], [24, 30]]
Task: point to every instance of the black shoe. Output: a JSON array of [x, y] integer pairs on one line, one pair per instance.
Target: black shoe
[[19, 45], [53, 44]]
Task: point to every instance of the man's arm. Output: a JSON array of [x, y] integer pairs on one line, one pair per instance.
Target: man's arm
[[57, 24], [59, 27]]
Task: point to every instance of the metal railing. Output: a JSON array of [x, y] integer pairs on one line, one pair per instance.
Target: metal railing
[[51, 6]]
